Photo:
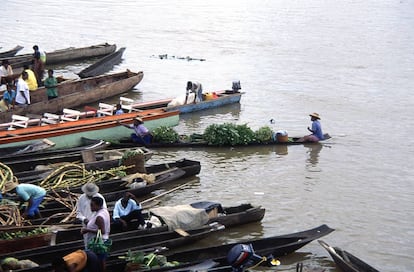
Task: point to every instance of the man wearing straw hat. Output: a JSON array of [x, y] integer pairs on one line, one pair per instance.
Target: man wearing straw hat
[[317, 134], [83, 205], [33, 194]]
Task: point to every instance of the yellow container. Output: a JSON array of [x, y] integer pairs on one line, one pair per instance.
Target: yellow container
[[209, 96]]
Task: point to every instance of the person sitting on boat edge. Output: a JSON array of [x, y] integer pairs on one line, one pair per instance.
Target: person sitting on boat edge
[[197, 89], [127, 209], [30, 193], [9, 96], [142, 135], [118, 109], [51, 85], [79, 260], [317, 134]]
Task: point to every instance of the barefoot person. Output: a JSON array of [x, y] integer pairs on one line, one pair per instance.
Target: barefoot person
[[316, 130]]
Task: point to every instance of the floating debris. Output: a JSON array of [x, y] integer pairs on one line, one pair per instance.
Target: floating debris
[[165, 56]]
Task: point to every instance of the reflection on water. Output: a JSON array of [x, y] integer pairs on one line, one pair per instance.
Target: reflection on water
[[313, 152]]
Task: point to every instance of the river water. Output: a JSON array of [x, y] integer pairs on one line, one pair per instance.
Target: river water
[[351, 61]]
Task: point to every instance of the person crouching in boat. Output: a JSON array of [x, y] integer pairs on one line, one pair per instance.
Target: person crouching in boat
[[79, 260], [142, 135], [30, 193], [317, 134], [127, 209], [9, 96], [197, 89]]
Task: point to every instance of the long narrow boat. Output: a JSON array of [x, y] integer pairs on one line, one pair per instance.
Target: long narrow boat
[[220, 99], [275, 245], [65, 55], [346, 261], [75, 93], [69, 134], [11, 52], [120, 243], [231, 216], [188, 141], [103, 65]]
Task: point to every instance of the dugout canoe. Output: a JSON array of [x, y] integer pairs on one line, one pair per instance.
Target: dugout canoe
[[23, 165], [221, 99], [231, 216], [103, 65], [275, 245], [69, 134], [121, 242], [65, 55], [196, 141], [346, 261], [76, 93], [11, 52], [28, 242], [26, 150]]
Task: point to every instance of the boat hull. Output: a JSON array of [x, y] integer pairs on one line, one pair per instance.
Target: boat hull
[[90, 90], [69, 134]]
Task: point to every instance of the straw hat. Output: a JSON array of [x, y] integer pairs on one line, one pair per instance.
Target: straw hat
[[9, 185], [139, 119], [314, 115], [90, 188]]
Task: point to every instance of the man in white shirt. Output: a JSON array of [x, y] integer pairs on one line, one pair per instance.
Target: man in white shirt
[[83, 206], [22, 91]]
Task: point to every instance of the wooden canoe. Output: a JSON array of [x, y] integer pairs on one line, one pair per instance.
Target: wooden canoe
[[11, 52], [233, 216], [187, 141], [75, 93], [346, 261], [26, 150], [69, 134], [103, 65], [23, 165], [65, 55], [275, 245], [121, 242], [223, 98], [29, 242]]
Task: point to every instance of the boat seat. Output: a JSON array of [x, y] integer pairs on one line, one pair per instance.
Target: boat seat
[[105, 109], [50, 119], [127, 104], [70, 115], [18, 121]]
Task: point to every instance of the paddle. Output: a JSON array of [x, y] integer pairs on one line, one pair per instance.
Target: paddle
[[167, 192]]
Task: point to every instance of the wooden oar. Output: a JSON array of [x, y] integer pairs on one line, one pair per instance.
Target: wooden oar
[[167, 192]]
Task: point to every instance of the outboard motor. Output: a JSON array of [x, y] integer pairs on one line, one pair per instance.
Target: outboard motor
[[242, 256], [236, 86]]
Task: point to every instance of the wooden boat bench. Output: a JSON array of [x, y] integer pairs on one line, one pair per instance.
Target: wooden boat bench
[[70, 115], [19, 121], [49, 119], [106, 109], [127, 104]]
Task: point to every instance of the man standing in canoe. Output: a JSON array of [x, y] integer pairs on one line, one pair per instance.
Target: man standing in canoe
[[317, 134], [39, 60], [22, 91]]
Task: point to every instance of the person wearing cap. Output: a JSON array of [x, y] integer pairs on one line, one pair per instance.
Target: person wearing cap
[[30, 193], [83, 205], [142, 135], [316, 130]]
